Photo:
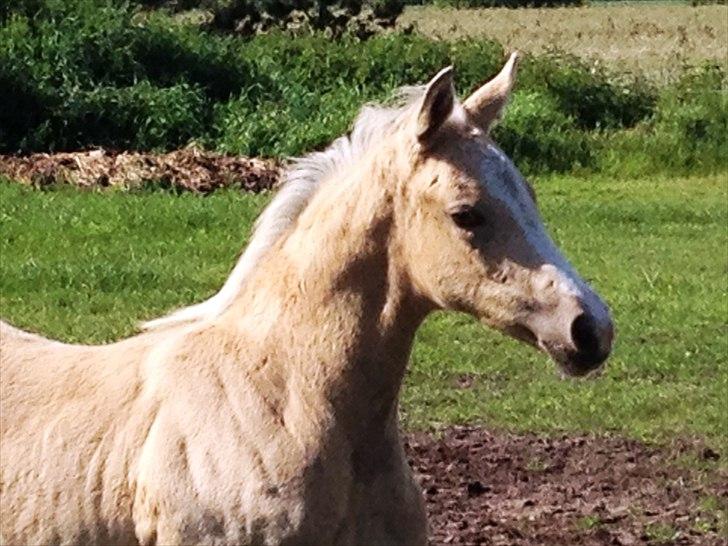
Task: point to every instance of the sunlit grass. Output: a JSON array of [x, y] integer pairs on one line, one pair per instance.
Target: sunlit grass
[[657, 250], [85, 267]]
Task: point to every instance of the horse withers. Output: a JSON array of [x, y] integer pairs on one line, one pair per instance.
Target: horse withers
[[267, 415]]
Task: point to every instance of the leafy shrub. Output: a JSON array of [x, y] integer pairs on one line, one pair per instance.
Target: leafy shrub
[[172, 54], [362, 18], [84, 73], [305, 122], [141, 116], [707, 2], [541, 136], [593, 96], [66, 72], [693, 115], [508, 3], [688, 132]]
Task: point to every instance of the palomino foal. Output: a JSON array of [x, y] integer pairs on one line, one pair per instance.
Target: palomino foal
[[268, 414]]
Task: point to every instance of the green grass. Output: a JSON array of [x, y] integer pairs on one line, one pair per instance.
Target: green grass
[[86, 266], [656, 249], [587, 523], [661, 533]]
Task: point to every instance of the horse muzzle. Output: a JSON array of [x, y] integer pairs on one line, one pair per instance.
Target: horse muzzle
[[577, 335], [584, 344]]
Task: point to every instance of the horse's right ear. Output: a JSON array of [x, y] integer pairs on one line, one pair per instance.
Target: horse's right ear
[[437, 104]]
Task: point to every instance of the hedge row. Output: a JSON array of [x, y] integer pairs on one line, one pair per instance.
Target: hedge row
[[90, 73], [362, 17], [506, 3]]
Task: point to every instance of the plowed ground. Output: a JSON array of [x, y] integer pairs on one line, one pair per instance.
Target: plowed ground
[[485, 488]]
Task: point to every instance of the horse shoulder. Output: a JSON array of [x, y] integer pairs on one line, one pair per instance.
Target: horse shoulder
[[218, 462]]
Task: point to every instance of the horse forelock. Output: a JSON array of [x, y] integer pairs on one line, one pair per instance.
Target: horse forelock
[[302, 180]]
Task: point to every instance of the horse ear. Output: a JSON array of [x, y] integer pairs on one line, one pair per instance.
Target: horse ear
[[437, 104], [486, 104]]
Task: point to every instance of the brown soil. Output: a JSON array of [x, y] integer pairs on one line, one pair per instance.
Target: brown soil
[[186, 169], [490, 488]]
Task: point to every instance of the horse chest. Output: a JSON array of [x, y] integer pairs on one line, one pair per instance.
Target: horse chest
[[257, 498]]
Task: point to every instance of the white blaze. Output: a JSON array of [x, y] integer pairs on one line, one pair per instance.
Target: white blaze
[[506, 184]]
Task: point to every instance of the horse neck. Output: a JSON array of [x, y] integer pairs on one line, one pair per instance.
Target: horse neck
[[333, 304]]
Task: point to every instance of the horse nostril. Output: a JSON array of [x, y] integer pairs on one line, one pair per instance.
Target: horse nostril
[[586, 342]]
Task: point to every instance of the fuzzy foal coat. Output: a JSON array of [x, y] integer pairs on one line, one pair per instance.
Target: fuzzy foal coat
[[238, 431], [268, 414]]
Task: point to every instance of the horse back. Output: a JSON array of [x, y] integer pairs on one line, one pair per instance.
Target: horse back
[[67, 438]]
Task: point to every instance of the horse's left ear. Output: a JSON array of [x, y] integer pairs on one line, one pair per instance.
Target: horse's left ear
[[487, 103], [437, 104]]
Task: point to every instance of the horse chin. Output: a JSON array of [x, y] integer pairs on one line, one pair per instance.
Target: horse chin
[[567, 368], [571, 372], [524, 334], [566, 365]]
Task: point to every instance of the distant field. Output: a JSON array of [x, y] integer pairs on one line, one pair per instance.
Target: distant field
[[84, 266], [655, 39]]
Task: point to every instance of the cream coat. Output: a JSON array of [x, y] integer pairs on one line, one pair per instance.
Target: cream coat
[[268, 415]]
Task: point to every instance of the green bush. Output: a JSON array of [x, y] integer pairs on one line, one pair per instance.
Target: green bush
[[247, 17], [688, 132], [76, 74], [507, 3], [594, 97], [82, 74], [542, 136], [693, 117], [28, 8], [141, 116]]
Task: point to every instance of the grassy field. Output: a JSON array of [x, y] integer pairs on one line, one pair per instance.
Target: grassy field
[[654, 39], [85, 267]]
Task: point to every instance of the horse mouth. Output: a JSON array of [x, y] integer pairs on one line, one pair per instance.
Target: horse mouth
[[569, 363], [525, 334]]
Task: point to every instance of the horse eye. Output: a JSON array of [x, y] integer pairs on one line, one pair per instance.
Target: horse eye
[[467, 217]]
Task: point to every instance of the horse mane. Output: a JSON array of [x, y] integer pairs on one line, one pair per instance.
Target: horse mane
[[301, 181]]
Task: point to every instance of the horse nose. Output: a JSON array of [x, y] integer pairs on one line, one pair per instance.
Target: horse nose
[[592, 341]]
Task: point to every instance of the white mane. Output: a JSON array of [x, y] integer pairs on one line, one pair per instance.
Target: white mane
[[302, 180]]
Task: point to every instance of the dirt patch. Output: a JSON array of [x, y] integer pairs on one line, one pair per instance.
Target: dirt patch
[[186, 169], [485, 488]]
